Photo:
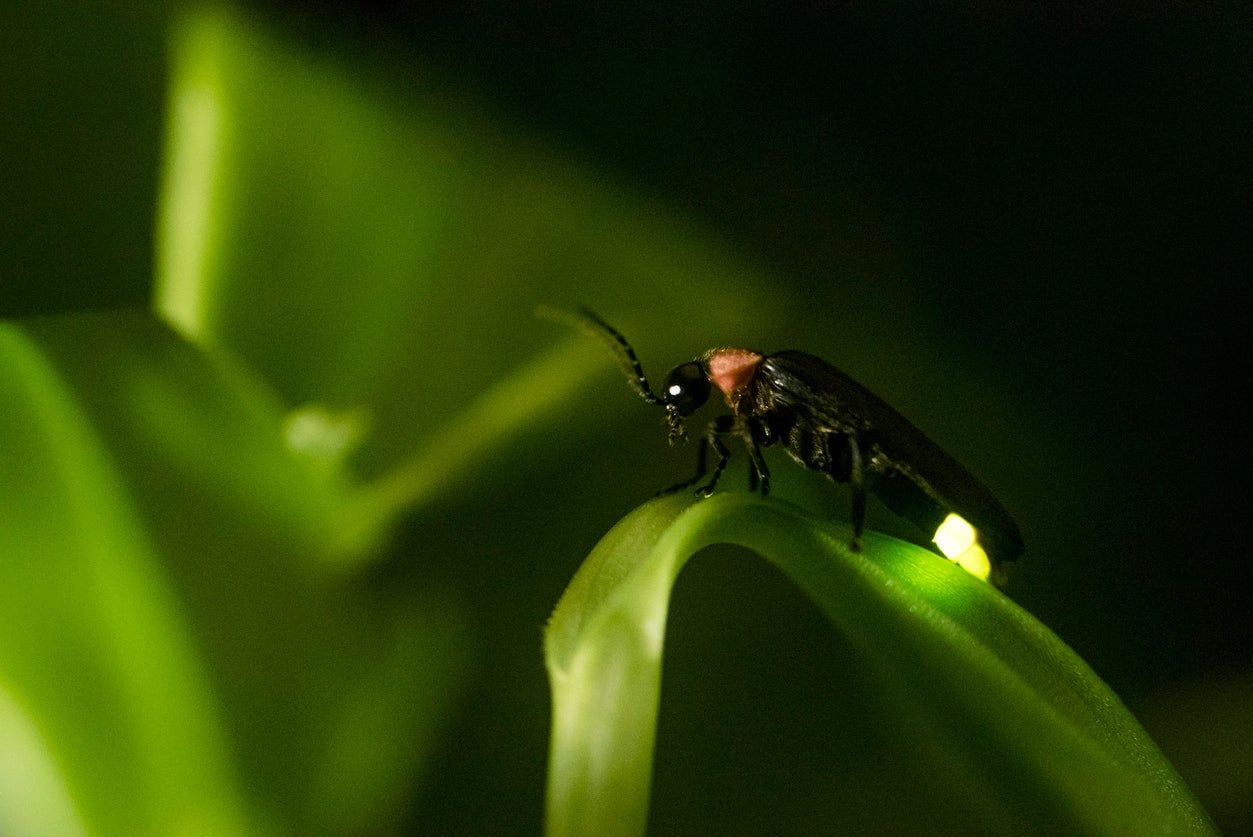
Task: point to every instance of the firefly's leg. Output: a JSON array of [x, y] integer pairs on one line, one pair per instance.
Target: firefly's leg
[[859, 491], [701, 448], [718, 427], [723, 455], [758, 473]]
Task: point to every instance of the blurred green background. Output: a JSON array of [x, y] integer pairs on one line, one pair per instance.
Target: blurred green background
[[1028, 230]]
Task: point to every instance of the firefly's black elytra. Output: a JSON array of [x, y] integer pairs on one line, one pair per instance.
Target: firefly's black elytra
[[828, 423]]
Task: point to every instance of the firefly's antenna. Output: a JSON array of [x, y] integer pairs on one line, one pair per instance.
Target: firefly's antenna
[[586, 321]]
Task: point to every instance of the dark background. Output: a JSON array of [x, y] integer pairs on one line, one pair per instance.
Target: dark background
[[1067, 190]]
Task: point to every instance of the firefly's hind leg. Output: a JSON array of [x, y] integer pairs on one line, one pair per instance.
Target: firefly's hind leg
[[844, 464], [855, 479]]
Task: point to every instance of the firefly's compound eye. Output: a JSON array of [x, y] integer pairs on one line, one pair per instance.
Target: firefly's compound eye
[[687, 387]]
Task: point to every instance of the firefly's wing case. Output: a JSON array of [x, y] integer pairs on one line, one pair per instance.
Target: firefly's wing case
[[831, 401]]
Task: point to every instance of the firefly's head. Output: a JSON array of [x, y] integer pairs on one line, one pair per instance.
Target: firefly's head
[[686, 391], [687, 386]]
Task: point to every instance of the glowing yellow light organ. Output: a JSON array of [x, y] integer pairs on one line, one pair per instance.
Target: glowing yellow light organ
[[958, 540]]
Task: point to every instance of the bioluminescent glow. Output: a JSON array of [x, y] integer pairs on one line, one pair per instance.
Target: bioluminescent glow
[[956, 539], [954, 536], [975, 561]]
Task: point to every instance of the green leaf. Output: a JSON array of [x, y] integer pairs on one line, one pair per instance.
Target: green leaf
[[96, 661], [162, 532], [1020, 732], [369, 249]]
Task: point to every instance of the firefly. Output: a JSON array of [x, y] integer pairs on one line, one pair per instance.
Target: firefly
[[827, 422]]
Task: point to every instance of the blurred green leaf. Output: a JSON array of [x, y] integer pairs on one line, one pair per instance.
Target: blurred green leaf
[[95, 650], [367, 247], [1021, 732], [34, 799], [307, 669], [357, 276]]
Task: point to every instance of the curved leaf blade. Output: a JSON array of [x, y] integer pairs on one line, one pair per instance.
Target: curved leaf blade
[[1047, 742]]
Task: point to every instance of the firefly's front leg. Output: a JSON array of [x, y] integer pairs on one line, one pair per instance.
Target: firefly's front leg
[[717, 428]]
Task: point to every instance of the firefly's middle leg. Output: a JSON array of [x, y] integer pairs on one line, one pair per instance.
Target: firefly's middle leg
[[758, 473]]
